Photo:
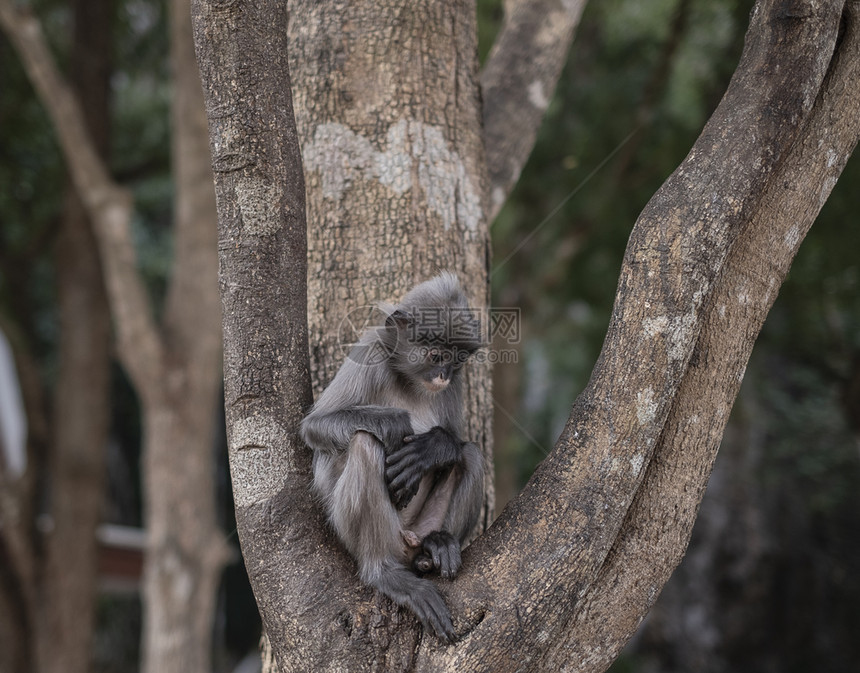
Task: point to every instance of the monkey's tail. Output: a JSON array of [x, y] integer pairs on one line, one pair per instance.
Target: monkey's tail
[[416, 594]]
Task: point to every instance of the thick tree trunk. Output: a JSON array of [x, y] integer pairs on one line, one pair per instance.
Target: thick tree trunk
[[259, 187], [388, 114], [564, 576]]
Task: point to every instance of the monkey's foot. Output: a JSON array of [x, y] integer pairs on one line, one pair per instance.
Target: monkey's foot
[[423, 563], [444, 551]]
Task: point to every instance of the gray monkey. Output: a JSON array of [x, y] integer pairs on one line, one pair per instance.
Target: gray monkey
[[400, 488]]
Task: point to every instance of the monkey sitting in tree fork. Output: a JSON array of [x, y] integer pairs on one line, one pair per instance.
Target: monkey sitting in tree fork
[[400, 488]]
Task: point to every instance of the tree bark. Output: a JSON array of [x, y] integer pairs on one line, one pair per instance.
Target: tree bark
[[259, 187], [388, 113], [567, 572], [803, 177], [174, 368]]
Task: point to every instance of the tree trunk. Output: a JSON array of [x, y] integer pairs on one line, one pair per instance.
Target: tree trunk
[[819, 97], [260, 192], [388, 114], [48, 582], [80, 417], [184, 553], [564, 576], [68, 588]]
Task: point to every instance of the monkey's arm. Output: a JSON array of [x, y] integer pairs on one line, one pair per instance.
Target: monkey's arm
[[435, 449], [331, 431]]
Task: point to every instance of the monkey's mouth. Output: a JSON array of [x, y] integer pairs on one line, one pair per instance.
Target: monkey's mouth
[[436, 384]]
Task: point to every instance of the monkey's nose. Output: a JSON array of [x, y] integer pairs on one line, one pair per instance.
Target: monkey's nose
[[437, 383]]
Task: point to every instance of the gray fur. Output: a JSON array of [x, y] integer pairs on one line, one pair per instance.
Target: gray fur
[[402, 379]]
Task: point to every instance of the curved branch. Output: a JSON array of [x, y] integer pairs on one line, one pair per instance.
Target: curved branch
[[677, 476], [518, 82], [567, 519], [107, 204]]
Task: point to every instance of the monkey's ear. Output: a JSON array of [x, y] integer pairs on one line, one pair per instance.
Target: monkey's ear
[[399, 318]]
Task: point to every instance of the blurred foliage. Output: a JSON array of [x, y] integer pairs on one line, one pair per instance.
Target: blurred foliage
[[619, 124], [641, 81]]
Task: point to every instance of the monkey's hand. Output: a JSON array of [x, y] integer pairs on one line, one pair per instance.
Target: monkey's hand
[[444, 549], [432, 450]]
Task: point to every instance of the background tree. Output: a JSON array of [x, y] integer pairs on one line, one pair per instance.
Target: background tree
[[173, 365], [700, 273], [51, 579]]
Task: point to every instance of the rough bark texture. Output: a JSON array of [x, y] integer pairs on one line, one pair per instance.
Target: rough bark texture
[[518, 82], [567, 572], [262, 242], [388, 114], [668, 289], [660, 520], [174, 367]]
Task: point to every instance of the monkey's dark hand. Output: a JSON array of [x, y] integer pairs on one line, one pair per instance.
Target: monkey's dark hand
[[432, 450]]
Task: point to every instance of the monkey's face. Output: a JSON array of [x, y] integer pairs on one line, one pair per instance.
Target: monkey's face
[[432, 366], [430, 345]]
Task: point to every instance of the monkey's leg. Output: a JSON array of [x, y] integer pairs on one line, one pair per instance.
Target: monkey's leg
[[468, 496], [368, 524], [450, 515], [359, 507], [434, 507], [439, 549]]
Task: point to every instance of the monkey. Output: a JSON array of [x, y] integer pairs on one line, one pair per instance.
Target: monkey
[[399, 487]]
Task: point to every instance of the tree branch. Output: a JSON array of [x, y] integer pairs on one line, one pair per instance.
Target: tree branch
[[108, 205], [567, 518], [192, 312], [677, 476], [518, 82]]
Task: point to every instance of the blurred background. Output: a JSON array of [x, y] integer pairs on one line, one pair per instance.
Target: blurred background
[[771, 581]]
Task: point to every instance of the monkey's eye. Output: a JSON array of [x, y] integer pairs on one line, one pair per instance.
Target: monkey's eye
[[434, 355]]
